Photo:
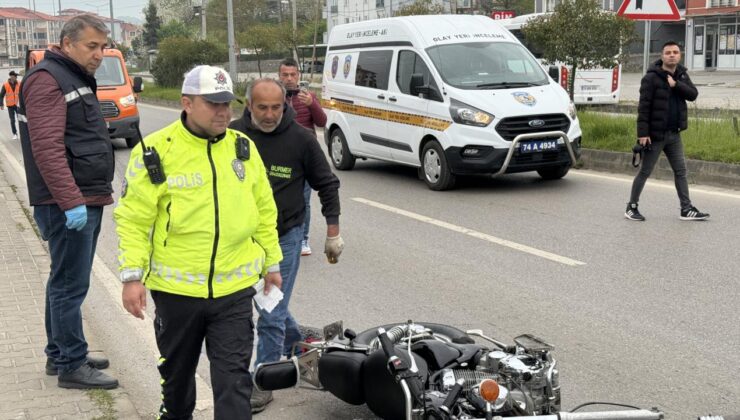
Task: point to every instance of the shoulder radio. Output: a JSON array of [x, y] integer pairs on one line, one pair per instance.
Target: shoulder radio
[[152, 162]]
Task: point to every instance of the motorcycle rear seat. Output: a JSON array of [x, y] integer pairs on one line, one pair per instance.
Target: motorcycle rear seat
[[341, 373]]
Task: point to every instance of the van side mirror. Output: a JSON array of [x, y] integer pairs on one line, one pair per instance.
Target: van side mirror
[[138, 84], [416, 85], [554, 73]]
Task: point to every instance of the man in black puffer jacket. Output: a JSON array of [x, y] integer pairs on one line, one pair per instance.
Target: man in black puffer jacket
[[661, 115]]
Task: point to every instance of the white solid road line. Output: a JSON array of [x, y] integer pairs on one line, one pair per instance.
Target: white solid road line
[[666, 184], [475, 234], [105, 277]]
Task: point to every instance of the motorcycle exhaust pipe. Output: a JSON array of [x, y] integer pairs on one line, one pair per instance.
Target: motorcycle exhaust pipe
[[277, 375]]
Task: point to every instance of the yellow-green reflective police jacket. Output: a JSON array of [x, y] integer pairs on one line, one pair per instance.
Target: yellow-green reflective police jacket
[[210, 229]]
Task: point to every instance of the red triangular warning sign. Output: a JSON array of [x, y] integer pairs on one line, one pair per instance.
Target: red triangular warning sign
[[649, 10]]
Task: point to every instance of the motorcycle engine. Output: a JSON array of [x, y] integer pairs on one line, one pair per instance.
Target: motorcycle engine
[[531, 378]]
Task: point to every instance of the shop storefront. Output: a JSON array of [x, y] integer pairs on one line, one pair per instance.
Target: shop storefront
[[713, 42]]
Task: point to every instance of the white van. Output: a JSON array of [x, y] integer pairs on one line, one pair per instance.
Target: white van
[[448, 94]]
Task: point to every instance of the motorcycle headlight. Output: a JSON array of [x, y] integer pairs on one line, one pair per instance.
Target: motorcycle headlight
[[465, 114], [572, 110], [127, 100]]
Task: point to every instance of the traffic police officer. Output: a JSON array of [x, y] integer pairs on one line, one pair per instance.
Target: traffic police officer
[[197, 226]]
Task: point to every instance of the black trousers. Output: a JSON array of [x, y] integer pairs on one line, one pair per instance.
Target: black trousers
[[181, 324], [12, 110]]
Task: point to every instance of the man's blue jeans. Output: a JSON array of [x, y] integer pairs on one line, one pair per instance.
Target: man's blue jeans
[[72, 254], [277, 331]]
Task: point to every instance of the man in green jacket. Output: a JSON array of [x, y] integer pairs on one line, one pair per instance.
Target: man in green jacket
[[199, 230]]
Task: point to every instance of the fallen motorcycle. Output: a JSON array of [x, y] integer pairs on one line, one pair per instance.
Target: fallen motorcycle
[[426, 371]]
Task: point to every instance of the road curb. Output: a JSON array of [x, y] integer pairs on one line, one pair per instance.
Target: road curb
[[716, 174]]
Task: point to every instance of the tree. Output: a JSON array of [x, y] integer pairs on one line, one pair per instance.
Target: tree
[[151, 26], [420, 7], [581, 35], [173, 29], [178, 55], [259, 40]]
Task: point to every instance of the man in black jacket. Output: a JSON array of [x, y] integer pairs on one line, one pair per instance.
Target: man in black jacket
[[292, 157], [662, 114]]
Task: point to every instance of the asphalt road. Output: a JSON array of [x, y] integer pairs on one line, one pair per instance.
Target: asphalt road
[[639, 313]]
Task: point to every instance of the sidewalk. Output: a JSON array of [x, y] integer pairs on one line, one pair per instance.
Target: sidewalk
[[26, 392]]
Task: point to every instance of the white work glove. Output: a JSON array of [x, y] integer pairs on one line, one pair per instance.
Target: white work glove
[[333, 248]]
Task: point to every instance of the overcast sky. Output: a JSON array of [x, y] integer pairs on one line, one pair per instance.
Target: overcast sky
[[120, 7]]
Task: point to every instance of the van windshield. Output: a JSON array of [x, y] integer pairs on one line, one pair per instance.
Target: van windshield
[[110, 72], [487, 65]]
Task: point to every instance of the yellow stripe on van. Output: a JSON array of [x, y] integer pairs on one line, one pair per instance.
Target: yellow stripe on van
[[385, 115]]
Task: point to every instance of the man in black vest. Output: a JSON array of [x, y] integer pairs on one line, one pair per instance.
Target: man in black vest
[[69, 164]]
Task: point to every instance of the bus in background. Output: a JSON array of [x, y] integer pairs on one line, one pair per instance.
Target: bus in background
[[592, 86], [117, 94]]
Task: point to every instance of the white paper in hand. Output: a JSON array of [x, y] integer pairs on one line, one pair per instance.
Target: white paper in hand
[[268, 301]]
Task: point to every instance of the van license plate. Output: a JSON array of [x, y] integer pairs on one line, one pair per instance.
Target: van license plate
[[538, 146]]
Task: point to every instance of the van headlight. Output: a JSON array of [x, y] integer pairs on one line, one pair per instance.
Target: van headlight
[[465, 114], [572, 111], [127, 100]]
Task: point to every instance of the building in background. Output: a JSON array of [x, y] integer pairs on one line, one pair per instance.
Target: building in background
[[713, 35], [22, 29], [113, 25], [338, 12], [129, 31]]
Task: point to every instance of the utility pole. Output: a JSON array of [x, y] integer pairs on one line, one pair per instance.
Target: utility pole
[[315, 35], [203, 19], [112, 23], [230, 30], [60, 7], [295, 29]]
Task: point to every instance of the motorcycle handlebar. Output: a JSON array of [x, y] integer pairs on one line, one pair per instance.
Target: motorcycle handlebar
[[385, 343], [597, 415], [711, 417]]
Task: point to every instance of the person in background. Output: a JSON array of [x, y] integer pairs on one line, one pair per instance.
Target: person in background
[[308, 114], [9, 91]]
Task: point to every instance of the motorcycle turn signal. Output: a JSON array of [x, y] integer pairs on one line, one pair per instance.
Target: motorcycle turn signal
[[489, 390]]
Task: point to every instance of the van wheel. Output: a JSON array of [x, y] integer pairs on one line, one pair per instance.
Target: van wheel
[[554, 173], [435, 169], [132, 141], [339, 151]]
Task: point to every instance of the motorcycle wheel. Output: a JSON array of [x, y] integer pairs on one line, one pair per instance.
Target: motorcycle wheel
[[455, 335]]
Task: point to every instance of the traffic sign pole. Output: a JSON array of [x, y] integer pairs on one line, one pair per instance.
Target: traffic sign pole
[[646, 50]]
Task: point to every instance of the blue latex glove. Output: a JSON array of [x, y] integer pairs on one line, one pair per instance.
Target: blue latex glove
[[76, 217]]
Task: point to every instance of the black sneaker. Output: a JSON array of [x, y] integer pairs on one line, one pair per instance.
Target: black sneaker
[[632, 213], [96, 362], [692, 213], [86, 377]]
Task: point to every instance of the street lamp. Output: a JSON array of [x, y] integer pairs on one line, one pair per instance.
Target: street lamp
[[97, 8]]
